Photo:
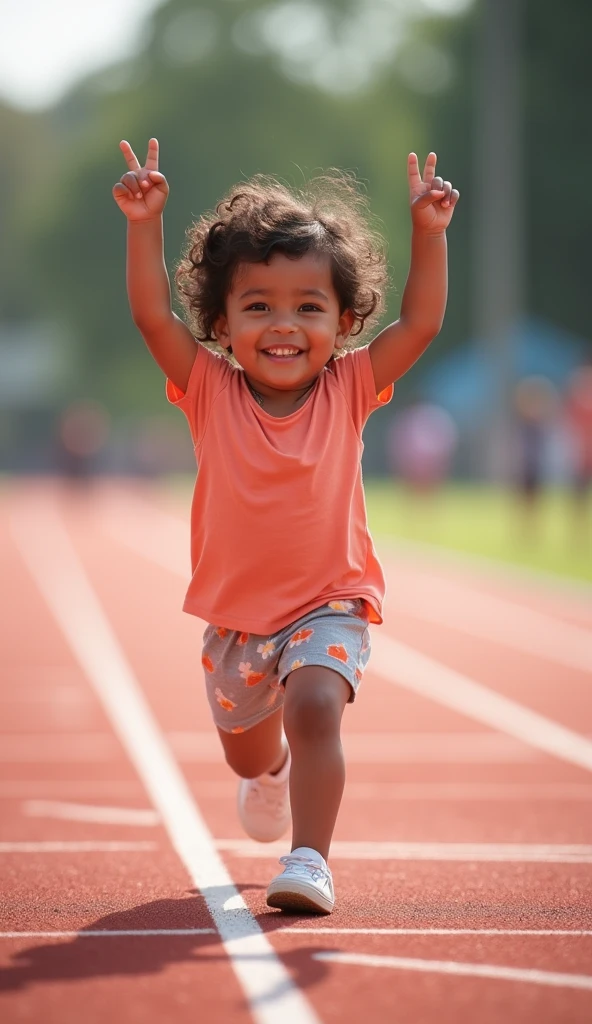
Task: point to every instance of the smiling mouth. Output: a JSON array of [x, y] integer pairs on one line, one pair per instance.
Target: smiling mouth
[[282, 352]]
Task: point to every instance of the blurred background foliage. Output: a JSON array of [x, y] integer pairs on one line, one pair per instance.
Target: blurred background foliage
[[232, 87]]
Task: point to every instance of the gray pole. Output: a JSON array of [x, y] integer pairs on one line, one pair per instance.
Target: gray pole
[[498, 223]]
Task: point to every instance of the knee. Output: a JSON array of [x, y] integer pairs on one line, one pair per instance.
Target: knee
[[246, 764], [311, 714]]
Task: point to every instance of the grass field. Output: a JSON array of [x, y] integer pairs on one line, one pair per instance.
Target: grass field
[[487, 522], [479, 520]]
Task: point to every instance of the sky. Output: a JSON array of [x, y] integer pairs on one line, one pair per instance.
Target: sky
[[46, 45]]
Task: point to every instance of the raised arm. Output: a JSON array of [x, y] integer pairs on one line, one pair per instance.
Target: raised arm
[[141, 195], [401, 344]]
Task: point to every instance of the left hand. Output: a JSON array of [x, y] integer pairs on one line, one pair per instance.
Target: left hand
[[432, 199]]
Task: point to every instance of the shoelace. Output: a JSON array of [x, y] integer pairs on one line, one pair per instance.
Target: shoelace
[[306, 866]]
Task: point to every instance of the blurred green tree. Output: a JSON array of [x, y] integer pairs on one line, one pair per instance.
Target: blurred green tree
[[24, 135], [231, 87], [556, 85], [557, 88], [218, 88]]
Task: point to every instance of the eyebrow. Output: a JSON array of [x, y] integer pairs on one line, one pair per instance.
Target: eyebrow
[[298, 291]]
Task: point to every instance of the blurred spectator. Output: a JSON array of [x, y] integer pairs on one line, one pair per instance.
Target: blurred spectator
[[82, 432], [159, 446], [421, 443], [535, 407], [578, 414]]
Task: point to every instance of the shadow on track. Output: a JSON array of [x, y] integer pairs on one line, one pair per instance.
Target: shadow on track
[[89, 956]]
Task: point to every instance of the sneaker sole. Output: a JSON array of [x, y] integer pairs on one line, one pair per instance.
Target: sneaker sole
[[296, 899]]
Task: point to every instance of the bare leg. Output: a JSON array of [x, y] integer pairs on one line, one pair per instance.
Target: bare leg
[[314, 703], [258, 750]]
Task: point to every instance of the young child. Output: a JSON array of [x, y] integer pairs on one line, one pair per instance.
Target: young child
[[284, 570]]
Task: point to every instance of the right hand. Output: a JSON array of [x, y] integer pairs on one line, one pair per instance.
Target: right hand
[[142, 192]]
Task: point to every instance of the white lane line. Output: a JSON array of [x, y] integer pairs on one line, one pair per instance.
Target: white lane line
[[75, 846], [504, 622], [66, 695], [433, 792], [146, 933], [91, 812], [476, 791], [494, 932], [59, 747], [88, 788], [396, 662], [406, 667], [193, 747], [385, 747], [221, 789], [403, 963], [429, 932], [341, 849], [50, 556]]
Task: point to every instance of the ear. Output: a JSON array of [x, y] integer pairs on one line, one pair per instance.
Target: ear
[[222, 331], [346, 322]]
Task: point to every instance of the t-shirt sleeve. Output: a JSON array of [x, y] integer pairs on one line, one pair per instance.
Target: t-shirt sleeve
[[209, 376], [355, 378]]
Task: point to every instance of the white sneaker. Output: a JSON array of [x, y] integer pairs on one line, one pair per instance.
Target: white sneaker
[[305, 884], [264, 805]]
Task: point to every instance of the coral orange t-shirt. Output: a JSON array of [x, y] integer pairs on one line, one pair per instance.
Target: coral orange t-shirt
[[278, 519]]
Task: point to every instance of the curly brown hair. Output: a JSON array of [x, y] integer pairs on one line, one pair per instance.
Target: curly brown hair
[[262, 216]]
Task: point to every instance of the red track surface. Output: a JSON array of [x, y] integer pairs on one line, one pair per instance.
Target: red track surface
[[419, 773]]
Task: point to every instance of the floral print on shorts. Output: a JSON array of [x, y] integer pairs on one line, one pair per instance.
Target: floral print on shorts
[[245, 672]]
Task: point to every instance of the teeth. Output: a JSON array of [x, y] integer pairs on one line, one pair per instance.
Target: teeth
[[283, 351]]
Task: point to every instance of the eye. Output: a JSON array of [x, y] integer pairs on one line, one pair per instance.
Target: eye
[[256, 306], [310, 307]]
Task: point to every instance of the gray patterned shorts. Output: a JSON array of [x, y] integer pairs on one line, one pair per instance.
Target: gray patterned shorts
[[245, 672]]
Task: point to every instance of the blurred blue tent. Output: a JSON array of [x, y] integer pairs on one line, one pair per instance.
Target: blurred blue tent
[[461, 382]]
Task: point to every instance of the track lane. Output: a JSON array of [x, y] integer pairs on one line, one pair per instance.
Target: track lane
[[63, 979], [349, 881], [378, 703], [446, 885]]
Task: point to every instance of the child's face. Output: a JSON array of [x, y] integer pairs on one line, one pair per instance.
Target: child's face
[[283, 321]]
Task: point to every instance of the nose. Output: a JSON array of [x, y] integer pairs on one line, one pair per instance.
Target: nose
[[283, 325]]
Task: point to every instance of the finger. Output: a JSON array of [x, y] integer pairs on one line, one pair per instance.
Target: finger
[[159, 181], [146, 180], [433, 196], [413, 175], [132, 183], [437, 184], [429, 169], [130, 157], [152, 156], [447, 192], [120, 193], [454, 197]]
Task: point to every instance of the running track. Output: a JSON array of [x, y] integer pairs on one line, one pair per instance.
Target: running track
[[463, 852]]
